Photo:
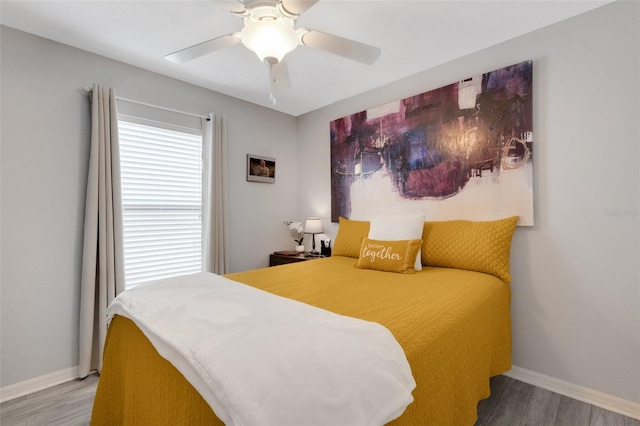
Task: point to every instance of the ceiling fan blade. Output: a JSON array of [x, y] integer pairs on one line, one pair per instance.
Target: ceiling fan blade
[[234, 6], [203, 48], [280, 76], [346, 48], [297, 7]]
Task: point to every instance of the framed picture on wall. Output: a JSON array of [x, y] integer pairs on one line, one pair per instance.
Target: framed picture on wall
[[261, 168], [461, 151]]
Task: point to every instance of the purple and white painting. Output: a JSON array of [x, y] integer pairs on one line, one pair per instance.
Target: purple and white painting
[[463, 151]]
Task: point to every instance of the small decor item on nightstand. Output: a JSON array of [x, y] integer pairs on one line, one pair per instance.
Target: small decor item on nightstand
[[325, 249], [296, 227]]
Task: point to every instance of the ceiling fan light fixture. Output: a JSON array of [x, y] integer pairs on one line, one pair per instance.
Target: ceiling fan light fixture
[[269, 38]]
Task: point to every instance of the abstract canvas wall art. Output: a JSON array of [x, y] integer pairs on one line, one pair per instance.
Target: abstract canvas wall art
[[463, 151]]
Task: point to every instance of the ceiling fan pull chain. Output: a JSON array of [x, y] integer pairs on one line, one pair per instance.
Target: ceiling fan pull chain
[[270, 62], [272, 99]]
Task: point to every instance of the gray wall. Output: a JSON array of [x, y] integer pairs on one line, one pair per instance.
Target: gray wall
[[576, 288], [45, 150], [576, 283]]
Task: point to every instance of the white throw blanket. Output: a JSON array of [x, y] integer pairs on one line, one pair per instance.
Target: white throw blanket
[[262, 359]]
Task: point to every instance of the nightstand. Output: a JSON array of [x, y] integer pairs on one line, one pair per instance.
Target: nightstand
[[282, 258]]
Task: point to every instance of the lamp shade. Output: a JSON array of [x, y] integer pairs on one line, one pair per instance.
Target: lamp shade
[[313, 226], [269, 38]]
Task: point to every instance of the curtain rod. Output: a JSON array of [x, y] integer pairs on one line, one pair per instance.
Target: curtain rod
[[89, 89]]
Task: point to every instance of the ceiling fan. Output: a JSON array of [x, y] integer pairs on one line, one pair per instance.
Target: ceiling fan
[[269, 31]]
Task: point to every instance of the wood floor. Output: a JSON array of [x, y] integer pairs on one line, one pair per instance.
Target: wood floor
[[511, 403], [62, 405]]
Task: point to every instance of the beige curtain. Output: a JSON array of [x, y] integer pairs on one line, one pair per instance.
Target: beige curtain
[[215, 226], [102, 258]]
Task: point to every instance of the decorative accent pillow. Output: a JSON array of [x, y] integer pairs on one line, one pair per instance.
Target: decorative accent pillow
[[475, 246], [393, 227], [390, 256], [349, 237]]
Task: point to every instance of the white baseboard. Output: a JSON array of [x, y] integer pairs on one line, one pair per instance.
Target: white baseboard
[[590, 396], [16, 390]]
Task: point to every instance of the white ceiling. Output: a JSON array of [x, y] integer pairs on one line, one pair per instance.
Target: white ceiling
[[413, 35]]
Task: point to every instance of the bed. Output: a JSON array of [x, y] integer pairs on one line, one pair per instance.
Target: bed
[[451, 318]]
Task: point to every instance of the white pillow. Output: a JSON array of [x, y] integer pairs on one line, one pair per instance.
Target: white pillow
[[394, 227]]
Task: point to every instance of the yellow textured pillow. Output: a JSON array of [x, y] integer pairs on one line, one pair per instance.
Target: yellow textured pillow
[[475, 246], [349, 237], [390, 256]]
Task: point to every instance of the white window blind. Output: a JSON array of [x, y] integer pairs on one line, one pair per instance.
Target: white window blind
[[162, 201]]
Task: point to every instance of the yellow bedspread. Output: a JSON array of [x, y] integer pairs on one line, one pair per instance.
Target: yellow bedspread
[[454, 327]]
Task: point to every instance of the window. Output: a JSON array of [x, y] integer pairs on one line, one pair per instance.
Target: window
[[161, 200]]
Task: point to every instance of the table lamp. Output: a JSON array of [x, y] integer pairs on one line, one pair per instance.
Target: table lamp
[[313, 226]]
